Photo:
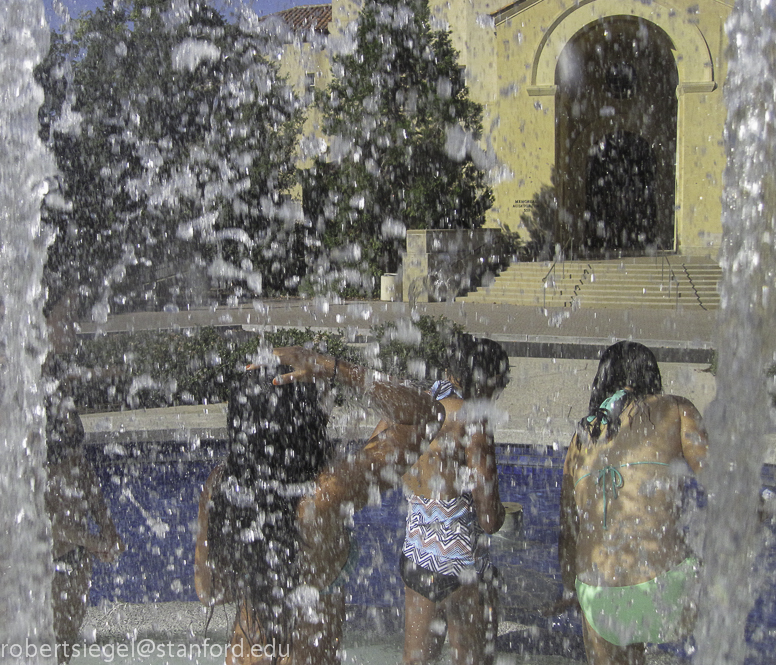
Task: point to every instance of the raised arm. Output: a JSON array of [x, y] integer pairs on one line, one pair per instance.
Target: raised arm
[[74, 495], [110, 544], [695, 441], [569, 525], [481, 459], [400, 404]]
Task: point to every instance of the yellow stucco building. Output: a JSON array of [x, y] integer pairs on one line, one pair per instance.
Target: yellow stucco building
[[618, 104]]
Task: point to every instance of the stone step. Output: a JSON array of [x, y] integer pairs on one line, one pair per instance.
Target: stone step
[[602, 295], [624, 283], [635, 296], [515, 273], [610, 283], [665, 304], [609, 290], [625, 269]]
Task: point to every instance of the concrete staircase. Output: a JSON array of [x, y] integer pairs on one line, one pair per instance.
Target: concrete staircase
[[644, 282]]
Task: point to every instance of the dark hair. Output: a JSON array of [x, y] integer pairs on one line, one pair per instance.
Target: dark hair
[[625, 364], [477, 363], [64, 429], [277, 444]]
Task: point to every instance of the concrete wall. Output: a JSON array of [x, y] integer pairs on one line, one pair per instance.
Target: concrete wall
[[441, 264]]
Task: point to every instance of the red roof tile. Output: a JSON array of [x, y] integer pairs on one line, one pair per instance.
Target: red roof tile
[[306, 17]]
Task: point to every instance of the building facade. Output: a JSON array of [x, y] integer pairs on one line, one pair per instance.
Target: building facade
[[613, 107]]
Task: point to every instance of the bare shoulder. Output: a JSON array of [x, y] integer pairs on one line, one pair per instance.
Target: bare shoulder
[[681, 405], [452, 405], [454, 417], [668, 399], [692, 430], [687, 408]]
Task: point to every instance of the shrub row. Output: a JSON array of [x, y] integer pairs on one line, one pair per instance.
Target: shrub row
[[172, 368]]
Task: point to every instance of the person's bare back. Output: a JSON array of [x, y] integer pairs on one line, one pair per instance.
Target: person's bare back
[[629, 489], [436, 474]]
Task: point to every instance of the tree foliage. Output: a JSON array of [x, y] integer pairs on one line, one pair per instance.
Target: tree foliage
[[541, 220], [170, 368], [401, 127], [174, 135]]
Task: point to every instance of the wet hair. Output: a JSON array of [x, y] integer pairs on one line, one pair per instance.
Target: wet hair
[[278, 444], [625, 365], [477, 364], [64, 430]]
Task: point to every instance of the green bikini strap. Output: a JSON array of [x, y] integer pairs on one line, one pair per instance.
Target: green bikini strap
[[611, 474]]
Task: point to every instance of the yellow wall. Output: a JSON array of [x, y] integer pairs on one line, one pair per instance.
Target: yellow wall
[[510, 54], [297, 61], [530, 36]]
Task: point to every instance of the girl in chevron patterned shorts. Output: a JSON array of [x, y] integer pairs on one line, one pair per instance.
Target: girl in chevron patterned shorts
[[458, 464], [454, 504]]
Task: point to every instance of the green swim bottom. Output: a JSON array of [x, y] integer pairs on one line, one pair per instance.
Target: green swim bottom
[[646, 612]]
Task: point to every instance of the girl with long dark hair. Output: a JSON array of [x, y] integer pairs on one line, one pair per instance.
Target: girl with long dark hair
[[272, 535], [278, 445], [622, 547], [454, 474], [454, 505]]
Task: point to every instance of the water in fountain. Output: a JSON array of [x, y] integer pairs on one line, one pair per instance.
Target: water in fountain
[[25, 548], [736, 421], [739, 416]]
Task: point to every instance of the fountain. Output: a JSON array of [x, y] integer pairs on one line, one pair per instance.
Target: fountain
[[739, 416], [736, 420], [25, 550]]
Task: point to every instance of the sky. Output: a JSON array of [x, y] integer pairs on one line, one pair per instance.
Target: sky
[[261, 7]]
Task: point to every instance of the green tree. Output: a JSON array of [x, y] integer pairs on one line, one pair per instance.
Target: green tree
[[541, 220], [401, 128], [175, 138]]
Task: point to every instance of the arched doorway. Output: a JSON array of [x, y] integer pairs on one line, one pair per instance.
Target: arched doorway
[[616, 111], [620, 195]]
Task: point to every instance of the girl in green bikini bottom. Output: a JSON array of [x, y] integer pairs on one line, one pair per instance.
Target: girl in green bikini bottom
[[622, 549]]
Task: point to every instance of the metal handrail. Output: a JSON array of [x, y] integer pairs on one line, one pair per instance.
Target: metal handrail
[[695, 290], [544, 282], [568, 244], [578, 287], [671, 277], [562, 253]]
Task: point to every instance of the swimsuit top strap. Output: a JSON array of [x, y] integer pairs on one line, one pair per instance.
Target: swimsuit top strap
[[442, 389], [610, 408], [610, 475], [605, 421]]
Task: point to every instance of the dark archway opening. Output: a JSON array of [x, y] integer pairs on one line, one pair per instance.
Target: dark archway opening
[[620, 203], [616, 125]]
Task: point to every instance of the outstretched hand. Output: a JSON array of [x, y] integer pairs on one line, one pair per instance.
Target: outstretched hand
[[309, 366]]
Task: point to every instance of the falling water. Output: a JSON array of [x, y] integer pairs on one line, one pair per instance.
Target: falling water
[[25, 551], [738, 418]]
